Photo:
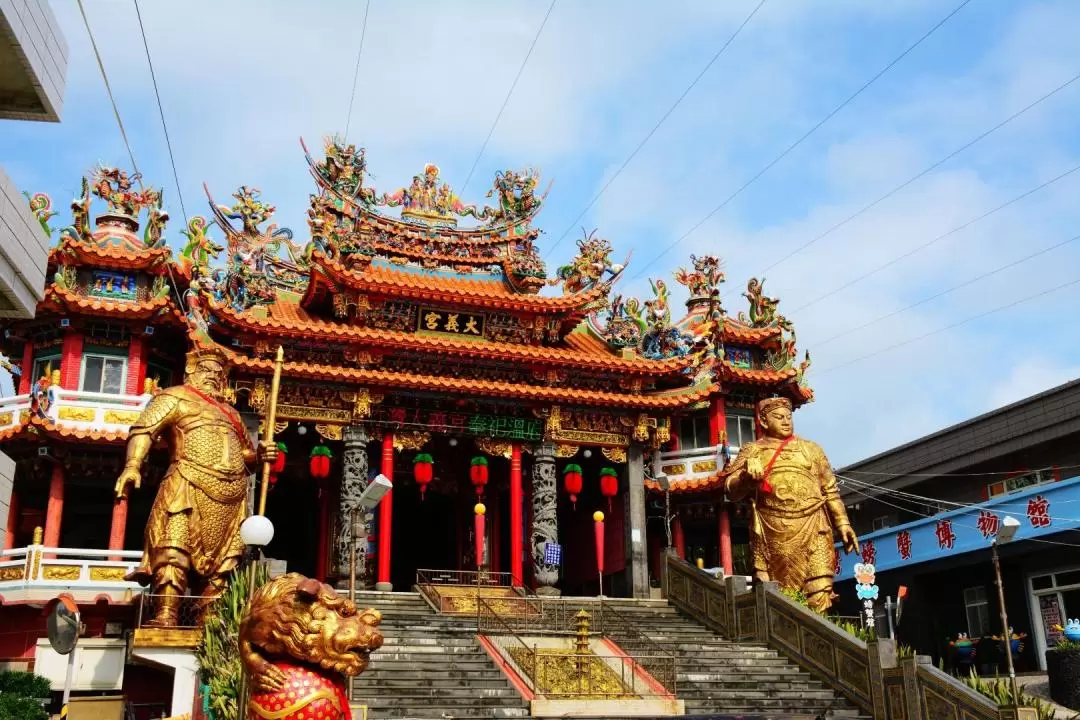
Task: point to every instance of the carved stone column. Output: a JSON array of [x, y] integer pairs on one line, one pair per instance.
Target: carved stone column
[[545, 522], [637, 562], [354, 480]]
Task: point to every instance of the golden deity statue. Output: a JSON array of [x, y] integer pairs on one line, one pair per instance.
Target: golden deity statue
[[795, 506], [194, 528]]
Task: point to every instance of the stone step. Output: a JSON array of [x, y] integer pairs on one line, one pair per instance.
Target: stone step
[[441, 713], [391, 682], [446, 695], [428, 672], [445, 701]]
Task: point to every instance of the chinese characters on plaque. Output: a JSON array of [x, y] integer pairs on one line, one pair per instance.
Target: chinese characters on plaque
[[454, 323], [495, 426]]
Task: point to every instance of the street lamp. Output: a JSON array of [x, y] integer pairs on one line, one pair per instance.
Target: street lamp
[[1006, 532], [662, 480], [369, 499]]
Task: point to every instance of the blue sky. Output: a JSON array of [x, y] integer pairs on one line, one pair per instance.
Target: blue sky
[[241, 82]]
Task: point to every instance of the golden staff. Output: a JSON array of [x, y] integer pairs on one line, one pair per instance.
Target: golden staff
[[268, 430]]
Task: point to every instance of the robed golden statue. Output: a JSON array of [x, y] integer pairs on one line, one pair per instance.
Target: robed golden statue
[[193, 534], [795, 506]]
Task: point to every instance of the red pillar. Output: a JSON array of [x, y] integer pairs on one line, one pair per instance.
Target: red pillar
[[676, 426], [27, 368], [323, 547], [517, 529], [717, 423], [12, 521], [678, 538], [55, 510], [136, 369], [386, 510], [119, 525], [71, 361]]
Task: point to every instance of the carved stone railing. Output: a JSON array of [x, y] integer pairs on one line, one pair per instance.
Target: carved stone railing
[[686, 465], [78, 409], [36, 571], [868, 674]]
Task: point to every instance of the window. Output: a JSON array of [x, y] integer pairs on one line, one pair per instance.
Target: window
[[740, 430], [694, 432], [880, 523], [1017, 482], [161, 373], [102, 373], [978, 611], [44, 364]]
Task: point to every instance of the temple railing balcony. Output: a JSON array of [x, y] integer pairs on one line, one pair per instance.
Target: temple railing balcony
[[37, 573], [692, 464], [77, 409]]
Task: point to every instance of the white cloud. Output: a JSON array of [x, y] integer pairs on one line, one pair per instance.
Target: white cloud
[[1029, 377]]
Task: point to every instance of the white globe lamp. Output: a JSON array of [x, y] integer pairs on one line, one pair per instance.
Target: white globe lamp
[[257, 531]]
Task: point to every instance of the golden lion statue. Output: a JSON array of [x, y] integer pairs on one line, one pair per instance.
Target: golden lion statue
[[298, 638]]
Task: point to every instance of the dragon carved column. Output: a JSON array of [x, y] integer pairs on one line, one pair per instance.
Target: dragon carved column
[[545, 523], [354, 480]]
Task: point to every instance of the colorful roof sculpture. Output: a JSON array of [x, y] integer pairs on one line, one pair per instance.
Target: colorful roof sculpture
[[414, 292]]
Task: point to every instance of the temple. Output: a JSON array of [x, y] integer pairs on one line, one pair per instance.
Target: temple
[[417, 331]]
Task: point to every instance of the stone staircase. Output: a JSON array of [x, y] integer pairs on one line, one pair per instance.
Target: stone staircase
[[431, 666]]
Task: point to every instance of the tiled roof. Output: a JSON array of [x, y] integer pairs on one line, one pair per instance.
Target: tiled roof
[[117, 258], [692, 485], [430, 383], [583, 350], [41, 426], [63, 299], [467, 289]]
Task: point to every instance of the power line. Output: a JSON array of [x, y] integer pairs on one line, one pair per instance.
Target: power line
[[161, 112], [656, 127], [953, 326], [920, 248], [954, 288], [356, 72], [506, 100], [108, 89], [889, 476], [931, 168], [805, 135], [969, 527]]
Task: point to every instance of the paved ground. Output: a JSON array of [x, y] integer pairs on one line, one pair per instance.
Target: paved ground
[[1038, 686]]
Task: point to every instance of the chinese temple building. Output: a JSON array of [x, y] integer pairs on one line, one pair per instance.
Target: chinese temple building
[[417, 330]]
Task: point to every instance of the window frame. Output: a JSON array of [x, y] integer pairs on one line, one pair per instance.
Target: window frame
[[741, 420], [981, 606], [44, 360], [105, 358]]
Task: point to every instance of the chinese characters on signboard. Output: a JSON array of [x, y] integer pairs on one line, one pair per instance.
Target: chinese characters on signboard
[[454, 323], [495, 426]]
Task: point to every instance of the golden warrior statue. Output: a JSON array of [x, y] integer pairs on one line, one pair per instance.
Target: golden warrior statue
[[194, 526], [795, 505]]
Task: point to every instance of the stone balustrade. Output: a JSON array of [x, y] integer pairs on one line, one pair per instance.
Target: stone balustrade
[[868, 674], [39, 573], [77, 409]]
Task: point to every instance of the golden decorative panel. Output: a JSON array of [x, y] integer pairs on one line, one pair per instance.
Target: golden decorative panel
[[614, 454], [107, 574], [341, 416], [120, 417], [61, 572], [76, 414], [678, 469], [703, 466], [566, 451], [410, 440], [328, 432], [493, 447], [166, 637], [6, 418], [11, 573]]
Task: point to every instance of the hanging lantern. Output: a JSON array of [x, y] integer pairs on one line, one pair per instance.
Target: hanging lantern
[[422, 471], [478, 473], [609, 484], [320, 461], [572, 482], [279, 463]]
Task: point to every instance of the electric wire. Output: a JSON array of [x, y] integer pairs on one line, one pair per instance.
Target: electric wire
[[161, 112], [954, 288], [506, 100], [803, 138], [995, 473], [969, 527], [924, 172], [356, 72], [656, 127], [945, 328]]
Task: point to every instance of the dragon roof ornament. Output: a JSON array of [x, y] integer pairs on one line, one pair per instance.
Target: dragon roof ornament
[[116, 227], [591, 266]]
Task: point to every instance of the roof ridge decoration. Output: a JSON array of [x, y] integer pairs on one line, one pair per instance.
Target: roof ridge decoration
[[764, 313]]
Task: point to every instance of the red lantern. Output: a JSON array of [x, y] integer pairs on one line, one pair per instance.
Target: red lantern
[[609, 484], [422, 471], [320, 461], [478, 473], [572, 482], [278, 465]]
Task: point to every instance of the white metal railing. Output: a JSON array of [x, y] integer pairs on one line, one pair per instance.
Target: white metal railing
[[77, 568], [78, 409], [692, 464]]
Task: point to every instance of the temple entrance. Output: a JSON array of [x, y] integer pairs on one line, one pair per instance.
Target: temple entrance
[[425, 532], [292, 504]]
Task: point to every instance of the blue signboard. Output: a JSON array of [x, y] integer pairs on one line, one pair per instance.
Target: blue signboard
[[1042, 510]]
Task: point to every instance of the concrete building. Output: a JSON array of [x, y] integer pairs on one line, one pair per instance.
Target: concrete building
[[927, 512], [33, 66]]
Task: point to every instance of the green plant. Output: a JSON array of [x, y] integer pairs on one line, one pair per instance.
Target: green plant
[[795, 596], [23, 696], [1064, 643], [904, 651], [864, 634], [218, 653], [999, 691]]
